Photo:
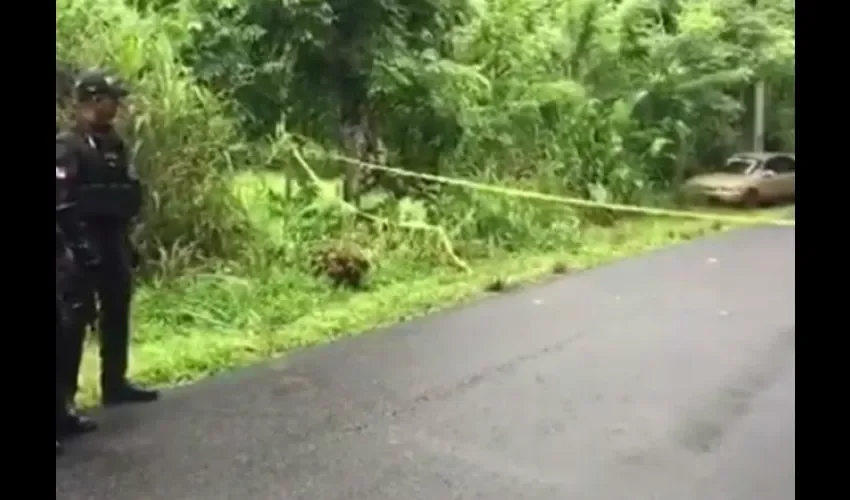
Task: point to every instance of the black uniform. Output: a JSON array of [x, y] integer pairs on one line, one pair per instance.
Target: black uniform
[[108, 198], [75, 258]]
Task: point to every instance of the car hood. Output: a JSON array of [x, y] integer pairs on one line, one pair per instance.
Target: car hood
[[720, 180]]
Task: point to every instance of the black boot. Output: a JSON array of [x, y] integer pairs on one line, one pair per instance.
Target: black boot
[[126, 392], [72, 424]]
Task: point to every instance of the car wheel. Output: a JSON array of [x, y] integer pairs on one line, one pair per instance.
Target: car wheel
[[750, 199]]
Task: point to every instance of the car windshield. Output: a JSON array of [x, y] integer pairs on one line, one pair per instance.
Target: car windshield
[[738, 166]]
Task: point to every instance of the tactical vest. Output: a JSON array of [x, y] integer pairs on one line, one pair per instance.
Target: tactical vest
[[108, 185]]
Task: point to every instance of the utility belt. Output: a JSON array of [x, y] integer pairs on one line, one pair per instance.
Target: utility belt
[[114, 200]]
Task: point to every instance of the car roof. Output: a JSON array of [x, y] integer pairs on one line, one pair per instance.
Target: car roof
[[762, 155]]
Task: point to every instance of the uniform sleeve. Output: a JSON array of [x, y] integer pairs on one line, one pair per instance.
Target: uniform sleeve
[[128, 158], [66, 174], [68, 222]]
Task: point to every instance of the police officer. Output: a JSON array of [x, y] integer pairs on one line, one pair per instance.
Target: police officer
[[109, 198], [75, 257]]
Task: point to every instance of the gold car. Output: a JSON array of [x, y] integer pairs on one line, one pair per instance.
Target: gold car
[[748, 179]]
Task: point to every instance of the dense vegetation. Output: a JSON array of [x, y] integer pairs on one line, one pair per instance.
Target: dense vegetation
[[601, 99]]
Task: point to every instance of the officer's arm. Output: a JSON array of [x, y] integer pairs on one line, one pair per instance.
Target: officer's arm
[[133, 175], [73, 228], [132, 171], [66, 177]]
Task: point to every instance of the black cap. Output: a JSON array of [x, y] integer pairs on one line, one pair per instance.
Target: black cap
[[96, 82]]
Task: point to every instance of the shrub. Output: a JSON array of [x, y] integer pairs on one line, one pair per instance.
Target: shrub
[[613, 101]]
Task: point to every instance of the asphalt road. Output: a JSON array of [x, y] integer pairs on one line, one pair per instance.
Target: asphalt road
[[666, 377]]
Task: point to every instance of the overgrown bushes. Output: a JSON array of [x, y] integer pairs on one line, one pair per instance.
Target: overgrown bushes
[[605, 99]]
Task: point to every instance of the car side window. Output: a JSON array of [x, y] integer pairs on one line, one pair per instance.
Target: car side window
[[781, 165]]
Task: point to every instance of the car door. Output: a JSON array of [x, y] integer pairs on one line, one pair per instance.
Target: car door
[[781, 185]]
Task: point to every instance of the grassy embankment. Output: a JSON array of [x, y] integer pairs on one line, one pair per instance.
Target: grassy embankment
[[610, 101], [203, 324]]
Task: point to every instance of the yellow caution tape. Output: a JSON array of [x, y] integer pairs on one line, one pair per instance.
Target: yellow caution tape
[[565, 200]]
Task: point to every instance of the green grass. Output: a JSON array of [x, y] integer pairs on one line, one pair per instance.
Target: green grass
[[195, 326]]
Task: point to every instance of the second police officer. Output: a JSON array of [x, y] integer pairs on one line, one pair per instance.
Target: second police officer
[[76, 259], [109, 197]]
